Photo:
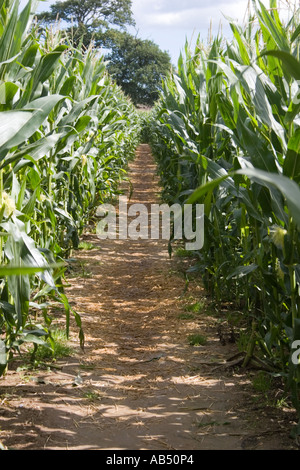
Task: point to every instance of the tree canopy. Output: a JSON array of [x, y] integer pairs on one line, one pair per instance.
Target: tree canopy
[[138, 66]]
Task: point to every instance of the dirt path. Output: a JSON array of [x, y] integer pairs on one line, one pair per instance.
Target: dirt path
[[139, 385]]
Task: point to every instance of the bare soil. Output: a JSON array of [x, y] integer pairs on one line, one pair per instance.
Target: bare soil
[[139, 384]]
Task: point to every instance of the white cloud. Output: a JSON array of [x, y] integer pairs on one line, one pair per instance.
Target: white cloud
[[186, 15], [169, 23]]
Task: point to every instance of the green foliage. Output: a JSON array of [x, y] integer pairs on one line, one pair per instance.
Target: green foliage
[[183, 253], [138, 67], [145, 120], [56, 346], [196, 307], [262, 382], [226, 134], [86, 246], [197, 340]]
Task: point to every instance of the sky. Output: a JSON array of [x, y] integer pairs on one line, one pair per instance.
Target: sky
[[169, 23]]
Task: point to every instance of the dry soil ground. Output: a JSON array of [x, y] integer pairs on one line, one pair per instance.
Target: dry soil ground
[[139, 384]]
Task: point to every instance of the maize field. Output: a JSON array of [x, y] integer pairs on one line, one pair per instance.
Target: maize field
[[226, 134], [66, 135]]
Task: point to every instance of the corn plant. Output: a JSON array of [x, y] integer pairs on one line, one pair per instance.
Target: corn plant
[[226, 134], [66, 134]]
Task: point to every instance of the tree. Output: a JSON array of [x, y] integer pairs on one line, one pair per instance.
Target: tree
[[137, 66], [90, 19]]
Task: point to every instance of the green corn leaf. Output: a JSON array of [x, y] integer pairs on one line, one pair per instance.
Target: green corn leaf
[[290, 64], [295, 33], [41, 73], [11, 122], [243, 49], [242, 271], [17, 126], [202, 190], [22, 26], [7, 92], [8, 35], [33, 152], [275, 28], [289, 189], [291, 166], [9, 312], [68, 86], [29, 55], [3, 356]]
